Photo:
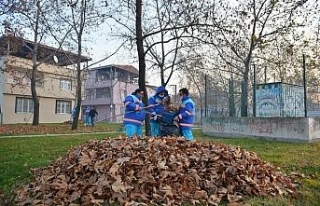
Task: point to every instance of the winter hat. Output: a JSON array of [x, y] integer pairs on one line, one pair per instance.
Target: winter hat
[[160, 89]]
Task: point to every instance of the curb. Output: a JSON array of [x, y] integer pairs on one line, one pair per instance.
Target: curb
[[65, 134], [54, 135]]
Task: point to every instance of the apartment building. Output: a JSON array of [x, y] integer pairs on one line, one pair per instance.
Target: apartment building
[[55, 84], [106, 88]]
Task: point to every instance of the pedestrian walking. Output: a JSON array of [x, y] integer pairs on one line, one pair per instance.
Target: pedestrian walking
[[93, 113]]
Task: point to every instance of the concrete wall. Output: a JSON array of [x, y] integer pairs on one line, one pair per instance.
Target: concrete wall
[[287, 129]]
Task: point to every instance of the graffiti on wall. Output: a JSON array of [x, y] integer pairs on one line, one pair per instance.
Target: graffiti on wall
[[279, 100], [293, 101], [282, 128], [268, 100]]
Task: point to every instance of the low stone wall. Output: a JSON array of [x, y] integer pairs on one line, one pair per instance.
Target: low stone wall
[[288, 129]]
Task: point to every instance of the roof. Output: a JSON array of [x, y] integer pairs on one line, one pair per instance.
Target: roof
[[22, 48], [274, 83], [128, 68]]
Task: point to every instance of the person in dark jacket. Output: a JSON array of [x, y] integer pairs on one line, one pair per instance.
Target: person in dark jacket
[[93, 113], [186, 114], [134, 113], [156, 111]]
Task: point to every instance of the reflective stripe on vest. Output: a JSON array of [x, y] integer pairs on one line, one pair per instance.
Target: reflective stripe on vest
[[135, 100], [186, 125]]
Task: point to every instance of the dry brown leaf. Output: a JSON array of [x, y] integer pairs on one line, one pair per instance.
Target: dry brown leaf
[[214, 199], [234, 198], [200, 194], [118, 186], [163, 171]]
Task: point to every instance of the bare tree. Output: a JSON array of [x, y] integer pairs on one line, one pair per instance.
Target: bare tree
[[84, 16], [8, 6], [249, 24], [166, 27], [157, 33], [35, 18]]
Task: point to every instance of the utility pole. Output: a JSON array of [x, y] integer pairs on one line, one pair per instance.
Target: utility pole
[[265, 74], [111, 93], [254, 90], [205, 94], [304, 85]]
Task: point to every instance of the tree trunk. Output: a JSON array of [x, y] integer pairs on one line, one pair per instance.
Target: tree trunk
[[36, 104], [35, 99], [244, 92], [141, 55], [232, 106], [79, 87]]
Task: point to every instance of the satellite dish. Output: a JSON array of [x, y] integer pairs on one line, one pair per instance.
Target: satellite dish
[[55, 59]]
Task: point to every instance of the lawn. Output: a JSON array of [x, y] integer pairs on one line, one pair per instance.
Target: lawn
[[19, 154]]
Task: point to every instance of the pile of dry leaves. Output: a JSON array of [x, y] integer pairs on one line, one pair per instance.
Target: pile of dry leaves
[[166, 171]]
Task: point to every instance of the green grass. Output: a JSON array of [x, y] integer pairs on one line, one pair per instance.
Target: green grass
[[18, 155]]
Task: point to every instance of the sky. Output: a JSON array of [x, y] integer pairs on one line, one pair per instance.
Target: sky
[[102, 48], [99, 48]]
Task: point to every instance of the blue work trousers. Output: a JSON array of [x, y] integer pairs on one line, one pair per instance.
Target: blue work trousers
[[187, 133], [133, 130], [155, 128]]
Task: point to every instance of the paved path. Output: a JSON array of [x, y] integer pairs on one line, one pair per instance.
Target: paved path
[[54, 135], [68, 134]]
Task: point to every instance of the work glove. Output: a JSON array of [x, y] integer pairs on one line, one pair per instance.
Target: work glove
[[154, 116]]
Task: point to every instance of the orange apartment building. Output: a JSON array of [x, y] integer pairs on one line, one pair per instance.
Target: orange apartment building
[[56, 86]]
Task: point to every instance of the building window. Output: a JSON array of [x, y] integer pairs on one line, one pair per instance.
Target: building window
[[103, 92], [65, 84], [90, 94], [24, 105], [63, 107], [102, 75], [123, 77]]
